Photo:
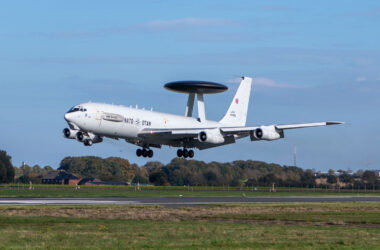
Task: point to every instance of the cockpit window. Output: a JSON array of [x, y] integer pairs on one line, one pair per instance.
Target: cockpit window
[[73, 109], [76, 108]]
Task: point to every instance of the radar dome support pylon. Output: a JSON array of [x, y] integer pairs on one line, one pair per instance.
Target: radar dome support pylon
[[190, 105], [196, 87]]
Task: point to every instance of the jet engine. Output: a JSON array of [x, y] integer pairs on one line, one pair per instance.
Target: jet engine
[[211, 136], [267, 133], [88, 138], [69, 133], [80, 136]]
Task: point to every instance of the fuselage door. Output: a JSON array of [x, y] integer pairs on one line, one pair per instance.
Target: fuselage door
[[99, 117]]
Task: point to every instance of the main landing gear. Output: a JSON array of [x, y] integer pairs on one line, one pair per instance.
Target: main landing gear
[[185, 153], [87, 142], [144, 152]]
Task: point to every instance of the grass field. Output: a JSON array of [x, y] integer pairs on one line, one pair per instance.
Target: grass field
[[302, 226], [44, 191]]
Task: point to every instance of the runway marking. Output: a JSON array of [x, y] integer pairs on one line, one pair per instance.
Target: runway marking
[[185, 201], [63, 202]]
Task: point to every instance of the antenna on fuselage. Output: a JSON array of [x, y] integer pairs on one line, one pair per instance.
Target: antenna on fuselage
[[199, 88]]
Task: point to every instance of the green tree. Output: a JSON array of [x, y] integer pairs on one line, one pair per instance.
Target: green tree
[[346, 178], [331, 171], [47, 169], [369, 177], [158, 178], [331, 179], [7, 171], [140, 179], [308, 178]]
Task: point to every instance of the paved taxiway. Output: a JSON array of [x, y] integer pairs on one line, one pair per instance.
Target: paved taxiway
[[181, 201]]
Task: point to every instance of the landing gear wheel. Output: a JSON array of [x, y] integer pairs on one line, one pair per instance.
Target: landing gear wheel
[[150, 153], [144, 153], [185, 153], [87, 142], [179, 153], [138, 152], [191, 153]]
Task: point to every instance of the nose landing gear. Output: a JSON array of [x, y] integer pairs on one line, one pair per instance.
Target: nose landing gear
[[185, 153], [144, 152]]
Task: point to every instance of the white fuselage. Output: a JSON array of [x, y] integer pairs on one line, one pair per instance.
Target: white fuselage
[[127, 122]]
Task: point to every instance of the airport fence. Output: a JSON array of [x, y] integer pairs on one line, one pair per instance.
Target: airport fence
[[226, 188]]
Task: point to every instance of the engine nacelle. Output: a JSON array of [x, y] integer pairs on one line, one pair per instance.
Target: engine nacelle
[[267, 133], [82, 136], [211, 136], [94, 138], [69, 133]]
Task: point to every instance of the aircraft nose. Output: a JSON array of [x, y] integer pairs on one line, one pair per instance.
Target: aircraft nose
[[67, 117]]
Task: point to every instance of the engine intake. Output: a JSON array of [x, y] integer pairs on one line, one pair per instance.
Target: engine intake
[[80, 136], [202, 136], [69, 133], [211, 136], [267, 133]]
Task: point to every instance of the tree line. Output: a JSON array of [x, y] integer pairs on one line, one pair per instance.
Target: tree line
[[6, 169], [181, 172]]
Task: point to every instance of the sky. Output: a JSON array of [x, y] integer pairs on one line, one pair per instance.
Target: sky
[[310, 60]]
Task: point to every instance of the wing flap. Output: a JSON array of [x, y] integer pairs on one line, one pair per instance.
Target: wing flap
[[169, 133], [238, 130]]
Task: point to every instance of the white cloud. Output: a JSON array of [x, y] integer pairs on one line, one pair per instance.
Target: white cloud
[[151, 26], [262, 81], [361, 79], [234, 80]]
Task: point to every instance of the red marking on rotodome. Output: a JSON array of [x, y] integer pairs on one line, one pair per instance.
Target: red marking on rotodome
[[237, 101]]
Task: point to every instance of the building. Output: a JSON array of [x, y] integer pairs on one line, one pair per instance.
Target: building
[[60, 177], [377, 173], [88, 181], [93, 181]]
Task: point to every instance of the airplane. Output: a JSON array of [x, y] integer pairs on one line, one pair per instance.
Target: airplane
[[90, 122]]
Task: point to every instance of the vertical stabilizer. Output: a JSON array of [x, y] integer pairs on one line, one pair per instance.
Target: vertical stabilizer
[[237, 112]]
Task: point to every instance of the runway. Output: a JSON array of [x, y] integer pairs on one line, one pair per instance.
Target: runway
[[181, 201]]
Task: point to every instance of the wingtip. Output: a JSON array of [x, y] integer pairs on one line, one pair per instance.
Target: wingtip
[[334, 123]]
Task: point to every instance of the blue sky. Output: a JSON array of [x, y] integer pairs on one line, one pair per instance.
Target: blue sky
[[311, 61]]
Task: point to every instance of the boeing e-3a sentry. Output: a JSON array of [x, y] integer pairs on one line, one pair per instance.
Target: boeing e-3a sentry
[[90, 122]]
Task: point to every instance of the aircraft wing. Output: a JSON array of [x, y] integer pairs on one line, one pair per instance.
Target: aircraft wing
[[248, 130], [307, 125], [177, 133], [272, 132]]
